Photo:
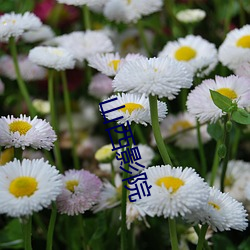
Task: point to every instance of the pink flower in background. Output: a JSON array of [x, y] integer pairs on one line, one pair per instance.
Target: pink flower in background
[[80, 192]]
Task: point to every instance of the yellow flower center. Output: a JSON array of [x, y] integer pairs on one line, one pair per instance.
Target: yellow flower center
[[70, 185], [114, 64], [20, 126], [6, 156], [13, 21], [57, 52], [129, 1], [214, 205], [229, 181], [180, 125], [244, 42], [23, 186], [130, 107], [185, 53], [170, 182], [227, 92]]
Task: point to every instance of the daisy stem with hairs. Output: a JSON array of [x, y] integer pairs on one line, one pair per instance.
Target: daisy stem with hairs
[[173, 235], [226, 158], [20, 81], [143, 37], [156, 130], [86, 17], [203, 169], [66, 96], [53, 118], [215, 165], [52, 221], [27, 230], [201, 238]]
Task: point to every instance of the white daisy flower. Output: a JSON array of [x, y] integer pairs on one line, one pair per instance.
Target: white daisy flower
[[110, 63], [156, 76], [197, 53], [51, 57], [110, 195], [90, 3], [147, 155], [247, 191], [243, 69], [221, 212], [85, 44], [29, 70], [174, 124], [14, 25], [175, 191], [28, 186], [130, 11], [136, 109], [235, 49], [191, 15], [26, 132], [42, 34], [134, 212], [200, 103], [236, 179]]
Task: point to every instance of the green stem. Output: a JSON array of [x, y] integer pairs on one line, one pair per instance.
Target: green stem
[[202, 237], [54, 120], [203, 170], [124, 231], [226, 158], [156, 130], [143, 37], [66, 96], [18, 153], [215, 164], [21, 84], [82, 227], [236, 142], [205, 244], [173, 235], [242, 14], [50, 233], [86, 17], [27, 229]]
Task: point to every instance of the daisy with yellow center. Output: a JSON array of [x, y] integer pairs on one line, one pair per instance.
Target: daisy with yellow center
[[28, 186], [175, 191], [130, 10], [14, 25], [80, 192], [26, 132], [136, 109], [110, 63], [197, 53], [51, 57], [221, 212], [183, 127], [200, 103], [235, 49]]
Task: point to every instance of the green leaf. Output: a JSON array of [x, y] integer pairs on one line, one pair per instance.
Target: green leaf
[[215, 130], [241, 116], [222, 102], [11, 236]]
